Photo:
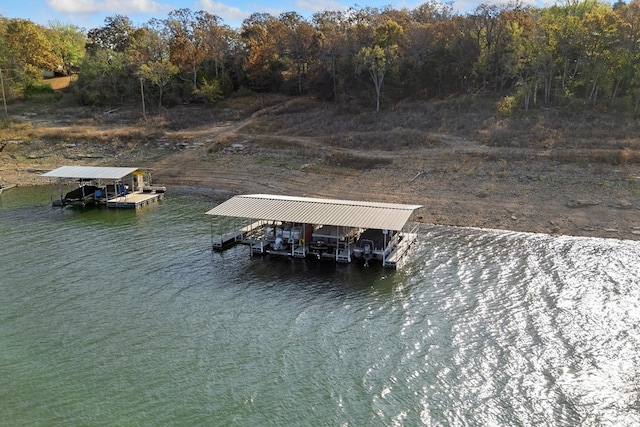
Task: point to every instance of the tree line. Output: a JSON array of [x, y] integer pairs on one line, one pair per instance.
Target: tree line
[[579, 51]]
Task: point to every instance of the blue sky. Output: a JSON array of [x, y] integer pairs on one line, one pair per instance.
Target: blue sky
[[90, 14]]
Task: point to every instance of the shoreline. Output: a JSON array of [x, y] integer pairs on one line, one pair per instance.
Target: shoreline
[[506, 204], [556, 189]]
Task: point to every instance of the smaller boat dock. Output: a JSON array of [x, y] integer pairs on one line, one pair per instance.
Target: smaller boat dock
[[113, 187], [301, 227]]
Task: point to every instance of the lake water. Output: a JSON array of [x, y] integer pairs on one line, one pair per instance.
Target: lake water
[[118, 317]]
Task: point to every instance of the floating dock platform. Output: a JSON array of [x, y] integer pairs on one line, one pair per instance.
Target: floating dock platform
[[300, 227], [134, 200], [113, 187]]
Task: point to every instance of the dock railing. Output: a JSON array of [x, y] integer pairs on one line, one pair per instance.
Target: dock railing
[[401, 246], [221, 241]]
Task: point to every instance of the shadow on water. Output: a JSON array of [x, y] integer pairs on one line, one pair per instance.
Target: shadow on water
[[308, 274], [99, 215], [36, 202]]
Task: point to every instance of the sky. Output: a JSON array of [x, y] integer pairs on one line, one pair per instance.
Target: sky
[[90, 14]]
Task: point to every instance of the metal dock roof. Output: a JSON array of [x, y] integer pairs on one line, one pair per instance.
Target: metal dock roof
[[90, 172], [305, 210]]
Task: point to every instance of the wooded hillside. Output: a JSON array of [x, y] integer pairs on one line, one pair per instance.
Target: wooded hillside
[[583, 54]]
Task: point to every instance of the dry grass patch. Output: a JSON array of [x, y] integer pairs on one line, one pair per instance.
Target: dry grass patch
[[13, 130], [80, 133], [58, 83], [394, 139], [596, 156], [626, 156], [327, 169], [356, 162], [566, 130], [278, 143]]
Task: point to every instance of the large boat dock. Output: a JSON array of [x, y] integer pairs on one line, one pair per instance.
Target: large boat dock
[[300, 227]]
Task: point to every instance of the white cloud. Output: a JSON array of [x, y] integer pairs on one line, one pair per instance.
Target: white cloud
[[121, 7], [224, 11], [319, 5]]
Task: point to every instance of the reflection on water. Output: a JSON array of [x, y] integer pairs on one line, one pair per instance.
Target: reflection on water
[[118, 317]]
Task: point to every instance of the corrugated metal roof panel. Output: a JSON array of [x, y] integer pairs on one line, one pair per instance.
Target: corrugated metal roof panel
[[307, 210], [90, 172]]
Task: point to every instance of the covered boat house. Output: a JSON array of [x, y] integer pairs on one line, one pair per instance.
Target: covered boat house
[[113, 187], [300, 227]]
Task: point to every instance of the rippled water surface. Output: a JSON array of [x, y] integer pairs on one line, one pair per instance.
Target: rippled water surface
[[116, 317]]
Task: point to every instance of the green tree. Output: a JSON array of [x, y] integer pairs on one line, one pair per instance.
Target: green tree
[[517, 60], [600, 27], [546, 51], [155, 43], [629, 48], [104, 79], [114, 54], [159, 73], [28, 50], [69, 45], [380, 58], [377, 61], [117, 35]]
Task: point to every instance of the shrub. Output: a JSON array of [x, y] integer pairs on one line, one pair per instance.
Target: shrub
[[37, 88], [507, 105], [211, 90]]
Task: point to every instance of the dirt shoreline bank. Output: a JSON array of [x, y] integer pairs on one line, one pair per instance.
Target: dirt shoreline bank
[[555, 205], [458, 181]]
